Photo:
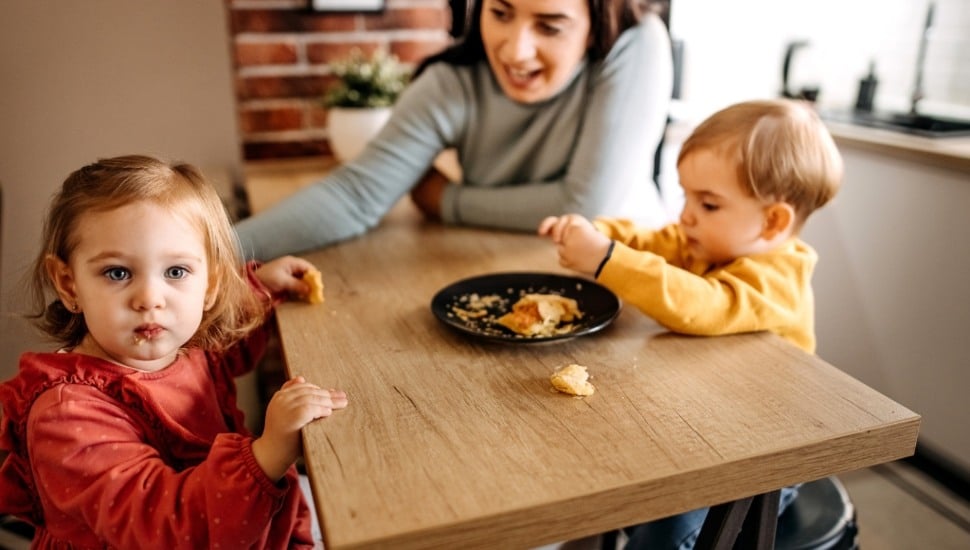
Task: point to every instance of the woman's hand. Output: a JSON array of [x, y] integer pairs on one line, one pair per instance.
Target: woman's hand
[[285, 274], [295, 405], [426, 195], [580, 245]]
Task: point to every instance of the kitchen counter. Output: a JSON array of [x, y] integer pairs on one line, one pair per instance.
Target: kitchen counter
[[946, 152]]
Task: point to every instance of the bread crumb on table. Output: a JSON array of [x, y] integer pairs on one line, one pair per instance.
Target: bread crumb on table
[[572, 379]]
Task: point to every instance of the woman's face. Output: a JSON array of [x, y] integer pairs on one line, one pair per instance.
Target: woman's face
[[534, 46]]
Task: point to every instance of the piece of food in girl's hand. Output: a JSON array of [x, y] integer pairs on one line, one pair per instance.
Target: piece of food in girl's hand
[[572, 379], [314, 280]]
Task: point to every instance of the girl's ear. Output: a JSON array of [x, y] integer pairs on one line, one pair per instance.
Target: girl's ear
[[62, 277], [779, 220]]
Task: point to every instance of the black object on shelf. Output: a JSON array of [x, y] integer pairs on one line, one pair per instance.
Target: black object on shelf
[[867, 90], [808, 93]]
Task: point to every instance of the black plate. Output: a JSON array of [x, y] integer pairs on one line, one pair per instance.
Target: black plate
[[598, 305]]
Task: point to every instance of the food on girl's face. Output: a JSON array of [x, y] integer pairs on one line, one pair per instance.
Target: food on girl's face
[[572, 379]]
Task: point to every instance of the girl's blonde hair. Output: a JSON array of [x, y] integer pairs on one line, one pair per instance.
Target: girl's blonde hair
[[781, 148], [178, 187]]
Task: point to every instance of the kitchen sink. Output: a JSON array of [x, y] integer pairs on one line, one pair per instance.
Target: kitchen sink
[[918, 124]]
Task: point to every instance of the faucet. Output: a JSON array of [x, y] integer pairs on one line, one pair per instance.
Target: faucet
[[917, 94]]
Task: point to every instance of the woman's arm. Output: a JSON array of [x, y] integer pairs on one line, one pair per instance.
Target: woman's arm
[[623, 123], [356, 196]]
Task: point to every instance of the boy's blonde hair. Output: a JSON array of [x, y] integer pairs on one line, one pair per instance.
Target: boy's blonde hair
[[179, 188], [782, 150]]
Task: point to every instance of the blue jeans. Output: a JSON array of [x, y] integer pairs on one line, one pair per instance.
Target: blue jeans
[[680, 532]]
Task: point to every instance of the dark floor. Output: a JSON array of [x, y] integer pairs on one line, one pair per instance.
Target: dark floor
[[898, 508]]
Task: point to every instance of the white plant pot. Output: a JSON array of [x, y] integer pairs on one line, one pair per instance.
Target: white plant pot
[[350, 129]]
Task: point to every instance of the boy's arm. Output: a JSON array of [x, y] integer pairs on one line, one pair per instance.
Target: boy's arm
[[667, 242], [750, 294]]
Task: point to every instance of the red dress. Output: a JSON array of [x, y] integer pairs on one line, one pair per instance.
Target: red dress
[[127, 459]]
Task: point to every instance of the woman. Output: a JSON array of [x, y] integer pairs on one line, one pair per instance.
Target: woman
[[552, 105]]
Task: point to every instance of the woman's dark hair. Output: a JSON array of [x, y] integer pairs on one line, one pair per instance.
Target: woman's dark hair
[[608, 19]]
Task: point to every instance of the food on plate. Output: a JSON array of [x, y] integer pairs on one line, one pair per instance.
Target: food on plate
[[572, 379], [314, 280], [475, 306], [541, 315]]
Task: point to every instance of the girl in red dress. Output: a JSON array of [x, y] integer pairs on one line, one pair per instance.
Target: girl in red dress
[[128, 435]]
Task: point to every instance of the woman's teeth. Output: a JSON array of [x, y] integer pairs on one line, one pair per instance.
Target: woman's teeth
[[518, 75]]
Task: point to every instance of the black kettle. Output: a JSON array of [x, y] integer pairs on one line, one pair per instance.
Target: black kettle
[[809, 93]]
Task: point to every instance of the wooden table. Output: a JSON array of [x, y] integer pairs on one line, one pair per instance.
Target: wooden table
[[453, 442], [269, 181]]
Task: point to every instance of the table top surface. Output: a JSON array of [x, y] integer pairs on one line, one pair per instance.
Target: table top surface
[[449, 440], [270, 181]]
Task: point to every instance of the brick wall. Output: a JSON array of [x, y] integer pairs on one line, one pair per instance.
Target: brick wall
[[280, 52]]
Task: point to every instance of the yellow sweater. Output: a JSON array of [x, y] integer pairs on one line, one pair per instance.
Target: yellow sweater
[[653, 271]]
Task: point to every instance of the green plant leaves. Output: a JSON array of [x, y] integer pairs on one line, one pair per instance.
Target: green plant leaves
[[367, 81]]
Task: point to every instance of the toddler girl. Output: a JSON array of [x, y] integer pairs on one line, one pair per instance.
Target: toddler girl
[[128, 436]]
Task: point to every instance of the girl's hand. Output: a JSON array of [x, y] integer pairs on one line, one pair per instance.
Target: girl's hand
[[295, 405], [284, 274], [580, 245]]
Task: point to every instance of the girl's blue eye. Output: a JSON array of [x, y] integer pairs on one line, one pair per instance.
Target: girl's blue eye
[[116, 273], [176, 272]]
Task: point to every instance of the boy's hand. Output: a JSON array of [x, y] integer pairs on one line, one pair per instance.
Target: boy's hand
[[295, 405], [284, 274], [581, 247]]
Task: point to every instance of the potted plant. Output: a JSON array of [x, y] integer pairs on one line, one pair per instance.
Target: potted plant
[[360, 101]]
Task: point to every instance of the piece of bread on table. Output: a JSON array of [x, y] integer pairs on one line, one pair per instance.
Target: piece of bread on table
[[572, 379], [314, 280]]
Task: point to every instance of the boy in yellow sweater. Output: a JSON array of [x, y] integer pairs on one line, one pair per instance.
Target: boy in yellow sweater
[[752, 173]]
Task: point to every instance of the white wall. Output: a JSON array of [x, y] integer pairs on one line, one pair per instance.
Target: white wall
[[734, 50], [85, 80]]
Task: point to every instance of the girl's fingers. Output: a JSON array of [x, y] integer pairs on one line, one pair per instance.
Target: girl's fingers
[[292, 382], [339, 399], [546, 224], [298, 392]]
